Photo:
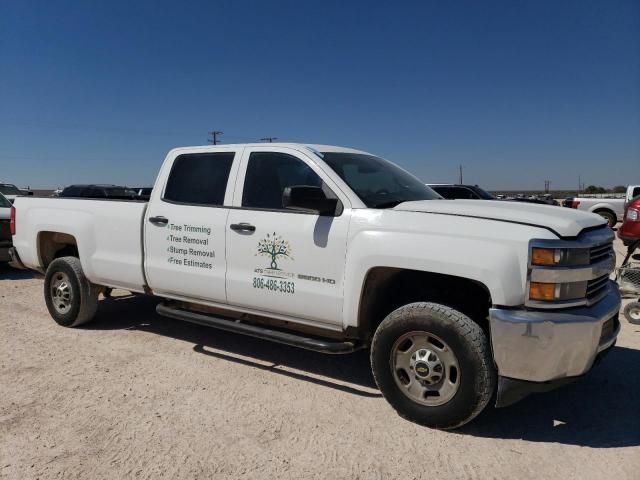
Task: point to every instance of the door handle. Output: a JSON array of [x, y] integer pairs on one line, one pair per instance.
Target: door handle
[[242, 227], [159, 220]]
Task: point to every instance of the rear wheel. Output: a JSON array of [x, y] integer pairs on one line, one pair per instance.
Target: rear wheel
[[433, 365], [608, 216], [632, 312], [71, 299]]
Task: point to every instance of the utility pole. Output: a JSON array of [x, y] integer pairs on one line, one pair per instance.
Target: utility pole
[[546, 186], [214, 137], [460, 169], [269, 139], [579, 184]]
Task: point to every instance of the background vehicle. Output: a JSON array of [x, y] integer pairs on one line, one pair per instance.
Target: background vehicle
[[143, 192], [98, 191], [611, 209], [541, 200], [474, 192], [467, 192], [5, 231], [333, 249], [629, 232], [10, 191]]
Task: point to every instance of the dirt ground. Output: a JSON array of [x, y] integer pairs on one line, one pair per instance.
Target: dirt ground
[[135, 395]]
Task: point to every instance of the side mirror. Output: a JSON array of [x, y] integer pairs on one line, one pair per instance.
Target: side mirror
[[303, 198]]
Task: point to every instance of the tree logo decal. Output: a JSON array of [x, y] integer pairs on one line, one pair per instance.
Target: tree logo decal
[[274, 247]]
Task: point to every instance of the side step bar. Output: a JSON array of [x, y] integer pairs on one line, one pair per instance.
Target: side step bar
[[293, 339]]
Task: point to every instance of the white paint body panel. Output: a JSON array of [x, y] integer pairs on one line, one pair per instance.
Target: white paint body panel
[[108, 233], [314, 269], [183, 281], [479, 240], [616, 205]]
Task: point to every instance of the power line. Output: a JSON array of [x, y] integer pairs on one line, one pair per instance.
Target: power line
[[269, 139], [214, 136]]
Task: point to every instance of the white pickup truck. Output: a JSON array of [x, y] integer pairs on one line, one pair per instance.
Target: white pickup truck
[[333, 249], [611, 209]]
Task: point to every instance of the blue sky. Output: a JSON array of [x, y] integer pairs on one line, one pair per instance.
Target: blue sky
[[515, 91]]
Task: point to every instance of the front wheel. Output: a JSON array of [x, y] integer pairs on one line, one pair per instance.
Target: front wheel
[[433, 365], [71, 299]]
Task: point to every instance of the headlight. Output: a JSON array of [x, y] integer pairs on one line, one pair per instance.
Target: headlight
[[559, 256], [550, 292], [545, 256], [568, 273]]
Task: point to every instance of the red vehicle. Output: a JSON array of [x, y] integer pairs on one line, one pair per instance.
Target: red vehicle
[[629, 232]]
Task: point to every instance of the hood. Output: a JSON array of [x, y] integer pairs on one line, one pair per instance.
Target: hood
[[564, 222]]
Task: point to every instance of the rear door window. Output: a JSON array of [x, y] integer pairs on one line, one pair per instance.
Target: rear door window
[[199, 178]]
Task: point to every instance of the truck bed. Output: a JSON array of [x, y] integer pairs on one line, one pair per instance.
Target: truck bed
[[108, 234]]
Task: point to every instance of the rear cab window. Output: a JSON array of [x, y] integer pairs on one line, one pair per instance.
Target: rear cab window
[[199, 178]]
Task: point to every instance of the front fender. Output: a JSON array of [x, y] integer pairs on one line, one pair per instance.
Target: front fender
[[494, 254]]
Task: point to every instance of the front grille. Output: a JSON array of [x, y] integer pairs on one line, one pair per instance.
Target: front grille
[[597, 287], [600, 252]]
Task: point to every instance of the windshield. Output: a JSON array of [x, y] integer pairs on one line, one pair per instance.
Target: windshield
[[378, 183], [8, 189], [4, 203]]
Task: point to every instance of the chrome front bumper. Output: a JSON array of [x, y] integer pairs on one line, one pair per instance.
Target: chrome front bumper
[[543, 346]]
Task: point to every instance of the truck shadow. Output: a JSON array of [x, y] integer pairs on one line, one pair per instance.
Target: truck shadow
[[138, 313], [600, 411], [10, 273]]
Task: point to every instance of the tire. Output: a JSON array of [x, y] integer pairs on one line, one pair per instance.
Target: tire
[[610, 217], [66, 286], [470, 367], [632, 312]]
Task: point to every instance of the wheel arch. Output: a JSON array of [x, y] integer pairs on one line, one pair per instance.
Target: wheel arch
[[387, 288], [52, 245], [604, 208]]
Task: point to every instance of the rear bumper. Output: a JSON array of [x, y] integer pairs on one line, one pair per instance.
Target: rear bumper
[[549, 346], [5, 246], [14, 259]]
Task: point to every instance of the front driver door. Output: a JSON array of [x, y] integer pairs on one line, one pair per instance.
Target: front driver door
[[281, 261]]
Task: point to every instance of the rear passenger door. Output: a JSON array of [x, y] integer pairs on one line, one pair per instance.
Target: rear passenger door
[[185, 226]]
